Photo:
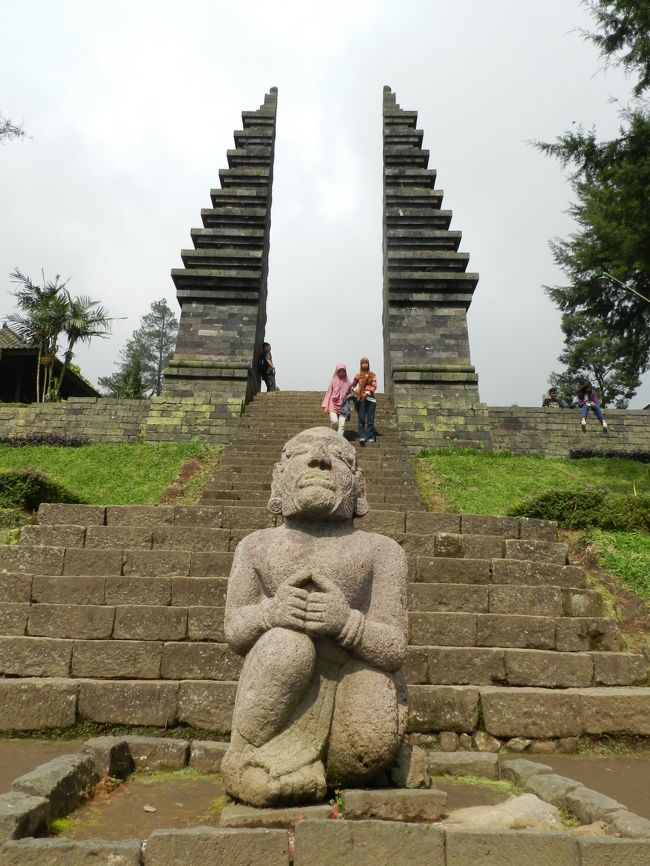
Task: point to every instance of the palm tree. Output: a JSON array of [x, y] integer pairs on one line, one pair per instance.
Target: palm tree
[[85, 319], [47, 312], [44, 312]]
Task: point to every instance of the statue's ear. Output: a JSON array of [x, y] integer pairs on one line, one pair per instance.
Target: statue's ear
[[275, 502], [361, 503]]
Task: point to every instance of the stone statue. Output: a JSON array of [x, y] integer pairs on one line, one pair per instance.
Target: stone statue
[[319, 610]]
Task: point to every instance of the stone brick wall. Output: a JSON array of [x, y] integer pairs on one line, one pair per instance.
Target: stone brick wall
[[553, 432], [161, 419]]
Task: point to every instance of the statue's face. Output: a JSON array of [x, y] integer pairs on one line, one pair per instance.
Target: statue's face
[[317, 475]]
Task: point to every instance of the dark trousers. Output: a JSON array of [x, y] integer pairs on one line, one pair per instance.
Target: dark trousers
[[366, 425], [269, 380]]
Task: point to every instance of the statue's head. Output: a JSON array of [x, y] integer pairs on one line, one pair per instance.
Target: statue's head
[[317, 478]]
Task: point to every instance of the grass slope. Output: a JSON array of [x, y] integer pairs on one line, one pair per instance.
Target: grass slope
[[129, 474]]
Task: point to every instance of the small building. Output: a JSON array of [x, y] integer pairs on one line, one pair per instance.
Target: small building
[[18, 362]]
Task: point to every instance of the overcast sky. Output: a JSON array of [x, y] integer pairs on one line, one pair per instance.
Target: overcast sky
[[130, 108]]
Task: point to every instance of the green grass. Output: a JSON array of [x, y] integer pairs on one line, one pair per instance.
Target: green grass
[[476, 483], [129, 474], [625, 554]]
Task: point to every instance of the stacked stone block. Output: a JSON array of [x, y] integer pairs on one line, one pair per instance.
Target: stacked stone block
[[222, 287], [114, 614], [427, 291]]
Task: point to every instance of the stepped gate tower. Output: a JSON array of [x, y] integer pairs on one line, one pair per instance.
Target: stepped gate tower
[[427, 291], [222, 287]]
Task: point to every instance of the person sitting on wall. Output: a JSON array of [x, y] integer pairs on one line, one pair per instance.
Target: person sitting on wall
[[588, 399], [553, 400]]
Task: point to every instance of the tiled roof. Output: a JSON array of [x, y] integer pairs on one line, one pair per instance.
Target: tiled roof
[[10, 340]]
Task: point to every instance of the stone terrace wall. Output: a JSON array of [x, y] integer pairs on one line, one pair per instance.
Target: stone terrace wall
[[161, 419], [553, 432]]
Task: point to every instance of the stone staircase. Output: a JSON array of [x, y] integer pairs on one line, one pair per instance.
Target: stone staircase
[[114, 614]]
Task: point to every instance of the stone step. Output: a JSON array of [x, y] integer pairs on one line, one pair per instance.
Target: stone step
[[27, 656], [227, 236], [562, 633], [500, 572], [449, 665], [543, 600], [244, 177], [418, 218], [423, 239], [538, 713]]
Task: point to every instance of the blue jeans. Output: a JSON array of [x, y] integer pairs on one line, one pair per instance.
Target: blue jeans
[[584, 411], [366, 425]]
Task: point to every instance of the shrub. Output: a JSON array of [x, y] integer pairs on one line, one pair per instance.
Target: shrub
[[11, 517], [584, 453], [589, 507], [25, 489], [44, 439]]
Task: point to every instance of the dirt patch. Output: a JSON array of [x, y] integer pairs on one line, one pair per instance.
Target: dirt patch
[[176, 490], [18, 756], [461, 795], [143, 803]]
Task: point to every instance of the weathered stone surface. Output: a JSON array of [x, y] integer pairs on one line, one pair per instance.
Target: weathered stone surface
[[62, 781], [394, 805], [464, 764], [206, 623], [198, 515], [518, 744], [429, 523], [519, 770], [545, 551], [567, 745], [315, 577], [82, 561], [551, 787], [15, 587], [619, 669], [110, 755], [460, 665], [207, 705], [484, 742], [88, 621], [157, 753], [483, 524], [122, 590], [27, 705], [13, 618], [139, 515], [628, 824], [150, 623], [589, 806], [510, 630], [449, 741], [62, 589], [34, 657], [543, 747], [368, 843], [190, 591], [523, 812], [22, 815], [248, 816], [128, 702], [53, 536], [199, 661], [116, 659], [548, 669], [107, 537], [80, 515], [206, 755], [446, 629], [542, 530], [21, 559], [510, 848], [410, 769], [616, 711], [614, 852], [587, 633], [443, 708], [236, 847], [450, 570], [63, 852], [156, 563], [531, 712]]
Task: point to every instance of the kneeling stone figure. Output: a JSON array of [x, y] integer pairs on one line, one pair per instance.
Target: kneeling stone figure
[[319, 610]]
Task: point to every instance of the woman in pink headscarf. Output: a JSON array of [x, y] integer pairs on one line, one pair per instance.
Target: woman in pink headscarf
[[335, 402]]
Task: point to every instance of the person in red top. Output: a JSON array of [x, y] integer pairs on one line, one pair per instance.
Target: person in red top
[[364, 386]]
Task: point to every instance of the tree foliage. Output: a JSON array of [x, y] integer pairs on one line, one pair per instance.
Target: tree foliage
[[48, 313], [624, 38], [145, 356], [9, 130], [607, 259]]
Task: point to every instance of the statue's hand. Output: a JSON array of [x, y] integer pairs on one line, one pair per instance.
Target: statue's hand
[[288, 607], [327, 610]]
